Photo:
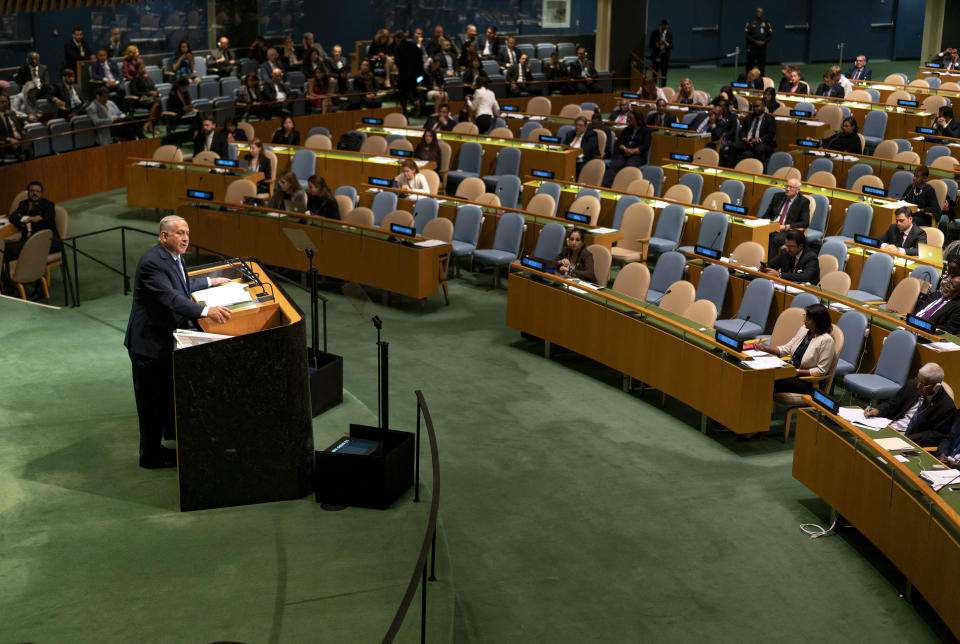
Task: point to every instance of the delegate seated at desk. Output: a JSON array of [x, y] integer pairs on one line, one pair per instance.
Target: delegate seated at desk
[[576, 260], [944, 124], [903, 236], [659, 117], [942, 307], [922, 410], [795, 262], [949, 449], [790, 210], [811, 350], [923, 196], [846, 140]]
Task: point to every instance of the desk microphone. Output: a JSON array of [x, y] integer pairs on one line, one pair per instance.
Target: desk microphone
[[244, 268], [717, 236], [745, 320]]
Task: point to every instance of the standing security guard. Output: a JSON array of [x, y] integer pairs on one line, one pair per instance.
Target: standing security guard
[[758, 32]]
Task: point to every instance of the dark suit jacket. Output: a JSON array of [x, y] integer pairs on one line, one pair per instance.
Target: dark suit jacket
[[161, 304], [926, 201], [950, 444], [722, 130], [767, 132], [947, 316], [495, 46], [25, 75], [97, 72], [658, 53], [583, 269], [503, 56], [835, 90], [916, 236], [435, 121], [652, 118], [797, 217], [866, 73], [331, 63], [264, 166], [805, 269], [218, 144], [802, 88], [588, 145], [5, 132], [513, 73], [266, 70], [45, 209], [61, 91], [71, 53], [952, 129], [293, 139], [935, 420], [576, 68]]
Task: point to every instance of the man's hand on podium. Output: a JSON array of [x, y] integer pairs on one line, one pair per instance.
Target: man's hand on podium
[[217, 281], [218, 314]]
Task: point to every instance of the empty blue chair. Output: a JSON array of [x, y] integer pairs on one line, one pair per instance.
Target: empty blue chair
[[874, 94], [208, 89], [565, 49], [229, 86], [37, 133], [304, 164], [653, 174], [506, 244], [933, 81], [712, 233], [552, 189], [856, 171], [550, 241], [927, 273], [693, 181], [423, 211], [934, 152], [853, 324], [734, 189], [818, 218], [383, 204], [468, 165], [155, 74], [390, 138], [803, 300], [837, 249], [804, 106], [466, 230], [856, 221], [688, 117], [713, 285], [296, 79], [62, 140], [588, 192], [874, 128], [526, 48], [498, 122], [527, 128], [779, 160], [318, 130], [752, 317], [874, 280], [86, 137], [563, 130], [508, 163], [891, 371], [589, 106], [545, 50], [899, 182], [507, 190], [668, 269], [348, 191], [223, 107], [767, 197], [666, 236], [903, 145], [820, 165], [623, 203]]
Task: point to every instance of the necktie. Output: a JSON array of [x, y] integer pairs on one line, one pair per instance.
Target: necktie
[[576, 141], [520, 78], [183, 274], [756, 126], [783, 213], [903, 240], [512, 57], [932, 308], [660, 120], [703, 125], [916, 414]]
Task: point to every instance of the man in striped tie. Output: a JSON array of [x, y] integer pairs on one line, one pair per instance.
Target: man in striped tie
[[922, 410], [859, 70]]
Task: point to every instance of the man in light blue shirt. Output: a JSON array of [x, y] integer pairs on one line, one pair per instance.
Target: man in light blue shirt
[[104, 112]]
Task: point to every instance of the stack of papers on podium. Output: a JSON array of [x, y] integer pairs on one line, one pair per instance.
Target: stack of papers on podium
[[855, 416], [186, 338], [228, 294]]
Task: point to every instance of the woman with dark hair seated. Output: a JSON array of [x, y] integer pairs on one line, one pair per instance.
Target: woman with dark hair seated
[[287, 189], [179, 102], [428, 149], [923, 196], [576, 260], [770, 100], [846, 140], [811, 350], [287, 133], [320, 201], [257, 161]]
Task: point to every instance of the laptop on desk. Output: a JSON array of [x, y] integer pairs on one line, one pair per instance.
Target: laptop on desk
[[930, 253], [294, 206]]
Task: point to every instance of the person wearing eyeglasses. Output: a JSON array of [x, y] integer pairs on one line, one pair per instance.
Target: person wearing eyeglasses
[[922, 410]]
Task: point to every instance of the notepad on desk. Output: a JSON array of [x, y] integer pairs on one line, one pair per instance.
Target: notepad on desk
[[602, 231], [856, 416], [943, 346], [765, 362], [893, 444], [939, 478], [427, 243], [229, 294]]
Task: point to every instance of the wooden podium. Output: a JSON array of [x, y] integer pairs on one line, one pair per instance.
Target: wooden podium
[[244, 431]]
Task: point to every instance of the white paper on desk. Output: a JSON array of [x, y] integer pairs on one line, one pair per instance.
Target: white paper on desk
[[943, 346], [602, 231], [793, 290], [224, 295], [725, 259], [837, 306], [4, 221], [756, 353], [275, 215], [893, 444], [847, 157], [939, 478], [855, 416], [902, 459], [574, 289], [427, 243], [149, 164], [536, 118], [765, 362], [382, 159]]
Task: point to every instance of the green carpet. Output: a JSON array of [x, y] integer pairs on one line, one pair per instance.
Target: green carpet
[[570, 510]]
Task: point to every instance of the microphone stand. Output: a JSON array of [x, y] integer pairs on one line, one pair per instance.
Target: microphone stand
[[383, 382]]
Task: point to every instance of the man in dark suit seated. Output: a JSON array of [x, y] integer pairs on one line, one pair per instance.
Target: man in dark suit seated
[[508, 55], [270, 65], [859, 70], [519, 78], [278, 94], [161, 305], [336, 61], [942, 307], [106, 72], [584, 74], [659, 117], [922, 410], [795, 262], [440, 121], [221, 60], [945, 124], [719, 123], [209, 139], [585, 139], [790, 209], [949, 450], [66, 95], [34, 71], [757, 136], [831, 86], [32, 215], [488, 45], [903, 236]]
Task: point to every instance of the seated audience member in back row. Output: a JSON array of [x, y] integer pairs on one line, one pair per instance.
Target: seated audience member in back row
[[831, 86], [922, 410], [795, 262], [575, 260], [410, 180], [583, 139], [794, 84], [790, 209], [257, 161], [902, 236], [32, 215], [320, 200], [621, 111], [66, 94], [632, 148], [859, 69], [757, 136], [753, 78], [287, 133], [811, 350], [659, 117], [945, 124], [428, 149], [846, 140], [11, 130], [103, 112], [209, 139], [942, 307], [441, 120]]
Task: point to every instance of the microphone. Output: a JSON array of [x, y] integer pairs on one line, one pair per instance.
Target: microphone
[[745, 320], [243, 267], [715, 238]]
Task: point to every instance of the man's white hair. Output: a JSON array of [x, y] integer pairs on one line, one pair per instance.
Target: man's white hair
[[931, 372]]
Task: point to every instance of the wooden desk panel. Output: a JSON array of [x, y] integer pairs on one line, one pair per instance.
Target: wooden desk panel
[[164, 188]]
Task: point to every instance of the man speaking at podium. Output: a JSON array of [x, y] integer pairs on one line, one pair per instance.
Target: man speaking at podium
[[161, 305]]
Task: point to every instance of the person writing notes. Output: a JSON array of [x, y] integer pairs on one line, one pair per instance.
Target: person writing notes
[[922, 410], [576, 260]]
